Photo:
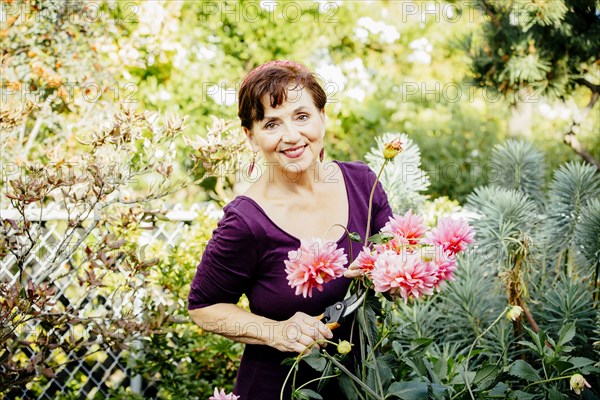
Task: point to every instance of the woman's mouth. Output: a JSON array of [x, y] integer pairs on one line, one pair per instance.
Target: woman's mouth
[[294, 152]]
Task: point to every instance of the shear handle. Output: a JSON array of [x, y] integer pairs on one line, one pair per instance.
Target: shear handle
[[332, 317]]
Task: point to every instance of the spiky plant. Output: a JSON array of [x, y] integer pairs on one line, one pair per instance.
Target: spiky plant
[[507, 219], [569, 301], [522, 168], [572, 187], [415, 321], [587, 239], [470, 303], [403, 179]]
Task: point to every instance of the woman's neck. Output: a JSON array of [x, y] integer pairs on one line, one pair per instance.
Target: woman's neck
[[282, 182]]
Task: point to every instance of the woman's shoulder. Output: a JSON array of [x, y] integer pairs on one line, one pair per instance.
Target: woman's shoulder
[[241, 210]]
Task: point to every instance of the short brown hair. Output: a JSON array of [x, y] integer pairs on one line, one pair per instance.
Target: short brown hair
[[274, 78]]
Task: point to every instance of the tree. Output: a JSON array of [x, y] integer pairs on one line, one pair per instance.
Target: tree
[[528, 49]]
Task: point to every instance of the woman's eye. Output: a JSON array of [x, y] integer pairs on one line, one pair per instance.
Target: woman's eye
[[270, 125], [303, 117]]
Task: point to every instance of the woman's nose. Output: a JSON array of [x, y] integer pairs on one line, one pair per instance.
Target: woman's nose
[[291, 133]]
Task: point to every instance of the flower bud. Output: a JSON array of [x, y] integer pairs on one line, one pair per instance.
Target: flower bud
[[391, 149], [578, 383], [344, 347], [513, 313]]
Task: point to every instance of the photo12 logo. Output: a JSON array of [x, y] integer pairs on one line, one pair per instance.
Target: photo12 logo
[[55, 11], [270, 10], [88, 92]]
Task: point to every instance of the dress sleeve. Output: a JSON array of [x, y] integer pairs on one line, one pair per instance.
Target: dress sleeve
[[228, 263], [381, 208]]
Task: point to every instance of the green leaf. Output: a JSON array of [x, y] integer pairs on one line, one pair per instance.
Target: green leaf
[[437, 391], [566, 334], [536, 340], [499, 389], [397, 346], [367, 319], [485, 376], [298, 395], [289, 361], [579, 362], [355, 237], [310, 394], [380, 238], [523, 370], [417, 364], [420, 347], [347, 386], [528, 344], [460, 379], [554, 394], [520, 395], [315, 360], [326, 372], [408, 390]]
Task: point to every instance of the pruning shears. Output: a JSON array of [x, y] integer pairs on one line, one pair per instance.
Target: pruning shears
[[335, 314]]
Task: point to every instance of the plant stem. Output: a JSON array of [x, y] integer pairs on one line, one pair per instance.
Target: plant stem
[[467, 384], [370, 343], [295, 369], [385, 161], [352, 376], [317, 379], [548, 380], [349, 238]]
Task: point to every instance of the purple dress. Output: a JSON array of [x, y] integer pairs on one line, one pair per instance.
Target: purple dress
[[246, 255]]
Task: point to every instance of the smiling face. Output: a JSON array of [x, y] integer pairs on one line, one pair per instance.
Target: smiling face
[[290, 135]]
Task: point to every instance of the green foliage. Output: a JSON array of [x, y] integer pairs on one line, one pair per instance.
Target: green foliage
[[187, 363], [535, 46], [510, 260], [573, 186], [531, 51], [587, 233], [522, 168], [569, 301], [508, 218], [455, 141]]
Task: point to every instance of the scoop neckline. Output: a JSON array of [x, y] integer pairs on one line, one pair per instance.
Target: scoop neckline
[[344, 177]]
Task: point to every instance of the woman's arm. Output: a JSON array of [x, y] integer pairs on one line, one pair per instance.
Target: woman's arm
[[292, 335]]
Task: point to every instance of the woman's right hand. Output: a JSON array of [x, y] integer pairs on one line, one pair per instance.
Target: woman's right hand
[[299, 332]]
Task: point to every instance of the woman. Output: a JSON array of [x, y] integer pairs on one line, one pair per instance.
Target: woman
[[282, 111]]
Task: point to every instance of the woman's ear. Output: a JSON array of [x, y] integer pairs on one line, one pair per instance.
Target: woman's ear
[[251, 139]]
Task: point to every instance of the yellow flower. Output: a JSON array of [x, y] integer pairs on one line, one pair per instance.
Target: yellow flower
[[344, 347], [514, 312], [391, 149], [578, 383]]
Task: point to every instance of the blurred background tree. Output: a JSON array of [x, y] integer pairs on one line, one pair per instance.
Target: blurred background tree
[[540, 51]]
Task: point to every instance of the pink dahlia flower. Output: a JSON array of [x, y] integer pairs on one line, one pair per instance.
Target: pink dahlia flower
[[404, 274], [452, 234], [444, 269], [316, 262], [223, 396], [409, 226], [364, 263]]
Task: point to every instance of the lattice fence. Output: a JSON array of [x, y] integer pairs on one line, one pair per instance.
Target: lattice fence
[[107, 368]]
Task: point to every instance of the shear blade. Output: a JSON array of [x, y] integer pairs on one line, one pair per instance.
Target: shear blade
[[352, 303]]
